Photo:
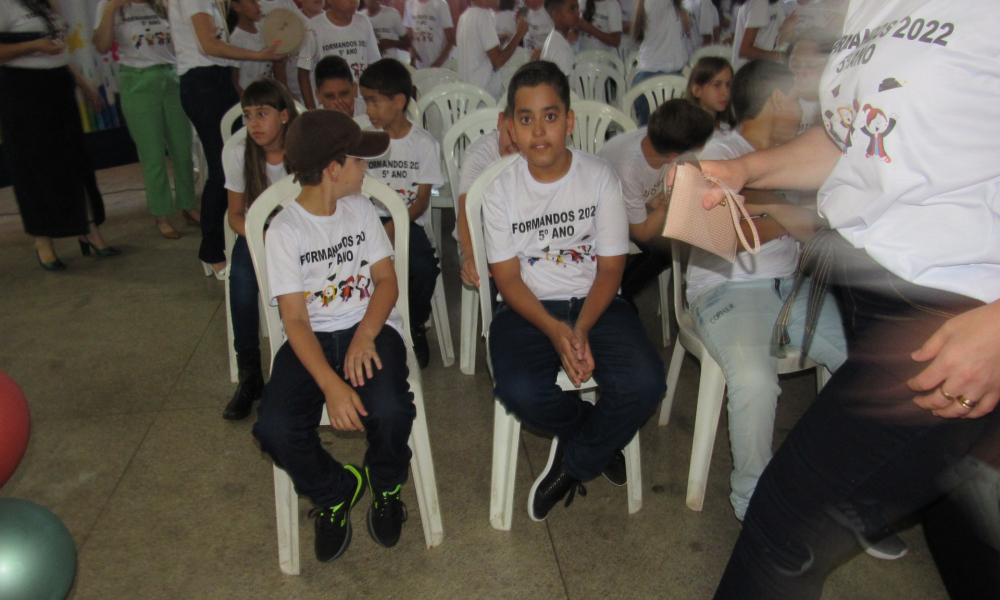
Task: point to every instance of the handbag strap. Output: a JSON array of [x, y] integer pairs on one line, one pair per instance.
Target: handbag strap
[[734, 202]]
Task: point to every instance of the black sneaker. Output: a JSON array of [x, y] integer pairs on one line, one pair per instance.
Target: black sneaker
[[420, 347], [552, 486], [333, 524], [615, 472], [386, 516], [873, 534]]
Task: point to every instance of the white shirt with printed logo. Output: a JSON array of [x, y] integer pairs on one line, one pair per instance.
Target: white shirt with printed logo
[[388, 25], [539, 26], [608, 19], [328, 260], [250, 70], [556, 230], [355, 43], [411, 161], [476, 34], [558, 50], [190, 54], [15, 18], [640, 182], [910, 96], [428, 20], [143, 37]]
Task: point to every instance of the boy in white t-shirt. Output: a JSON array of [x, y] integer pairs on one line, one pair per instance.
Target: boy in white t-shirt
[[565, 15], [335, 87], [479, 52], [341, 31], [556, 240], [735, 306], [246, 35], [393, 36], [330, 268], [431, 30], [412, 167]]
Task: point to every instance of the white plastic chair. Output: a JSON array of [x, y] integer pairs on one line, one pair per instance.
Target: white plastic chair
[[573, 99], [719, 50], [603, 57], [657, 90], [712, 386], [422, 464], [521, 57], [506, 428], [446, 104], [235, 113], [593, 120], [426, 80], [592, 81]]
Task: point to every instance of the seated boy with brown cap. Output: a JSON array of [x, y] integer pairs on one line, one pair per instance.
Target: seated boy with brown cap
[[330, 266]]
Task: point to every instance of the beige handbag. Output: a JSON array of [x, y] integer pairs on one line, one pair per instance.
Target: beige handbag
[[714, 230]]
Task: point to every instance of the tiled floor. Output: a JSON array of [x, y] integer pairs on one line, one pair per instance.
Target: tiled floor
[[124, 363]]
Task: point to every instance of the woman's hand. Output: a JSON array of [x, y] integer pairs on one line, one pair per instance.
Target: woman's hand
[[728, 171], [49, 46], [93, 98]]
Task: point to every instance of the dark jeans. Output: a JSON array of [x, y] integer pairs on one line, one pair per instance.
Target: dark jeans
[[423, 274], [243, 298], [206, 94], [627, 369], [293, 404], [862, 448]]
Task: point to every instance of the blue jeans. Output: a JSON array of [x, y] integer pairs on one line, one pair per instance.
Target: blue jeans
[[423, 274], [243, 299], [641, 103], [206, 94], [735, 320], [627, 369], [292, 406]]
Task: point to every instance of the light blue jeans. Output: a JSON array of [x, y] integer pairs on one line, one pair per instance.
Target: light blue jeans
[[734, 321]]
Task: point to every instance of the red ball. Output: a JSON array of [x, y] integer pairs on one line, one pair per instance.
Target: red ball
[[15, 426]]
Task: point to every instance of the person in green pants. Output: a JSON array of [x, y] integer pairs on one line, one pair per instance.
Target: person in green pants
[[151, 103]]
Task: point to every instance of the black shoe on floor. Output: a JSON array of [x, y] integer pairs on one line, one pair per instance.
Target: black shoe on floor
[[385, 516], [615, 472], [873, 534], [552, 485], [249, 389], [333, 524], [420, 347]]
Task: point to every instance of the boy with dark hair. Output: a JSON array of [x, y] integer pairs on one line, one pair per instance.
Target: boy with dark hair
[[556, 240], [335, 87], [344, 349], [412, 167], [341, 31], [565, 15]]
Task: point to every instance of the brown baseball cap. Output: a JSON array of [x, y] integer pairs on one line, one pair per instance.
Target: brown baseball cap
[[317, 137]]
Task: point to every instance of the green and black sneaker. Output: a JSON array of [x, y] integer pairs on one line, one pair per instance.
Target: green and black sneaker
[[333, 524], [385, 516]]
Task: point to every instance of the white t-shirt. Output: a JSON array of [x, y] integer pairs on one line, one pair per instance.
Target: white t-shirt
[[913, 85], [479, 156], [556, 230], [250, 70], [15, 18], [559, 51], [640, 182], [810, 115], [411, 161], [328, 259], [539, 26], [355, 43], [233, 155], [506, 23], [143, 37], [428, 20], [388, 25], [663, 49], [777, 258], [704, 17], [608, 19], [477, 34], [189, 52], [766, 18]]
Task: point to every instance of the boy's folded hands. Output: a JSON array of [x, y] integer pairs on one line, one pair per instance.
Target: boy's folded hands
[[574, 351]]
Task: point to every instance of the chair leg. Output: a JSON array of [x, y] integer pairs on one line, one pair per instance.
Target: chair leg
[[711, 390], [233, 369], [422, 464], [506, 438], [633, 470], [822, 376], [439, 312], [263, 316], [673, 374], [470, 322], [664, 281], [286, 504]]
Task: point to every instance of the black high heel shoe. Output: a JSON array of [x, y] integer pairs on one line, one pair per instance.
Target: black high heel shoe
[[86, 246], [56, 265]]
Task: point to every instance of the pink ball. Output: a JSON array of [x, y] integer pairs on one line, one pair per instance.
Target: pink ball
[[15, 426]]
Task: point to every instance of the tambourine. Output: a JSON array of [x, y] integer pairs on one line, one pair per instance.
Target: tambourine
[[286, 25]]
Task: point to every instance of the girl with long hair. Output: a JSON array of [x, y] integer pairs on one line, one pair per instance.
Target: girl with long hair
[[659, 29], [708, 87], [254, 159]]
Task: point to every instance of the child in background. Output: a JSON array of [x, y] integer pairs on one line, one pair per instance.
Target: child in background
[[431, 31], [709, 88], [479, 52], [412, 167], [601, 26], [246, 35], [659, 29], [393, 36], [565, 15], [344, 350], [253, 159], [335, 87], [556, 240], [342, 32], [506, 20], [539, 27], [757, 30]]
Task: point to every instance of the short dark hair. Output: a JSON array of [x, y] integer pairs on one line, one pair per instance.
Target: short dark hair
[[754, 83], [551, 5], [535, 73], [332, 67], [388, 77], [679, 126]]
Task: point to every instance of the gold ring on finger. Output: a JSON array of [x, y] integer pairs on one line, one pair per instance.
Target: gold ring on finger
[[949, 396], [969, 404]]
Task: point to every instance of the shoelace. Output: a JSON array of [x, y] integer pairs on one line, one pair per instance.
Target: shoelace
[[575, 486], [390, 505], [326, 517]]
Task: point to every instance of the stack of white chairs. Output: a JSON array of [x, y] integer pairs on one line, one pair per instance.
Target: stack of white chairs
[[598, 82], [426, 80]]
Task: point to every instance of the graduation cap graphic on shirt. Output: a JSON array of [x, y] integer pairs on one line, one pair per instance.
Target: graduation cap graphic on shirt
[[889, 83]]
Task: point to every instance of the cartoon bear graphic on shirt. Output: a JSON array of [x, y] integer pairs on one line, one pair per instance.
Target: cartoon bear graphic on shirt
[[877, 126]]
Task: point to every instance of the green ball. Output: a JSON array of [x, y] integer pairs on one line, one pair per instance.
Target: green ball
[[37, 555]]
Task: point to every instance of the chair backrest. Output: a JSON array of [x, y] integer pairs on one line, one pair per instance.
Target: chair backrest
[[720, 50], [451, 102], [426, 80], [284, 192], [593, 120], [591, 81], [657, 90], [236, 113], [521, 57], [573, 99], [460, 135], [602, 57]]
